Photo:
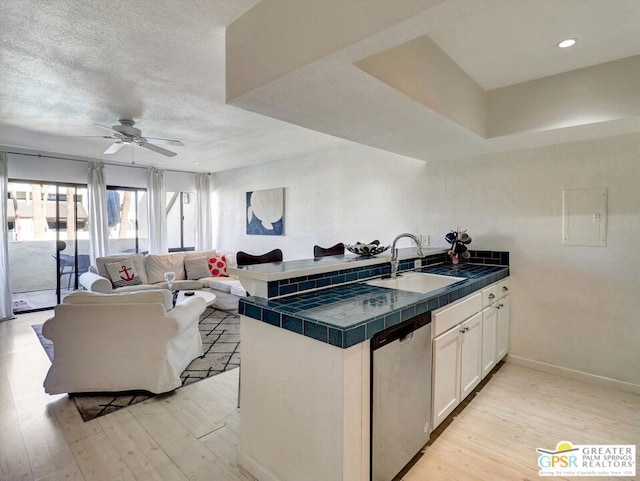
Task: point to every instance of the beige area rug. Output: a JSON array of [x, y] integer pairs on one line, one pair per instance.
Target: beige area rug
[[220, 331]]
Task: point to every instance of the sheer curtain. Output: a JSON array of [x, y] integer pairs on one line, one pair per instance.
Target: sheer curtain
[[98, 226], [204, 234], [6, 297], [157, 215]]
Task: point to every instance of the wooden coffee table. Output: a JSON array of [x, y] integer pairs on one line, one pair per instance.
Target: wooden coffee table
[[208, 297]]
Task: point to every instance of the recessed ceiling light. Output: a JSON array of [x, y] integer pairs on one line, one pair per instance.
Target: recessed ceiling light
[[196, 162], [569, 42]]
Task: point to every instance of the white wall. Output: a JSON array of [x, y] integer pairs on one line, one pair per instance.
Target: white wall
[[347, 194], [573, 307]]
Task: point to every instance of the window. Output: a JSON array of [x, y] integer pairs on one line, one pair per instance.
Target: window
[[37, 210], [48, 236], [128, 223], [127, 220], [181, 221], [60, 197]]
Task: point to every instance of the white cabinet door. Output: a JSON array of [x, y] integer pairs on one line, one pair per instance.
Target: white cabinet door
[[446, 374], [471, 354], [465, 352], [489, 321], [502, 330]]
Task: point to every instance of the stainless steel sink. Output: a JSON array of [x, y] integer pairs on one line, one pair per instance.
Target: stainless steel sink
[[416, 282]]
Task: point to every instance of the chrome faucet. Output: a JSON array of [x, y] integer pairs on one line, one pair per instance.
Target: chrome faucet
[[394, 252]]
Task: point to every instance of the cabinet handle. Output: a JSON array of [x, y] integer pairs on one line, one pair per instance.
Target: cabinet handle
[[499, 306], [505, 288], [492, 296], [462, 330]]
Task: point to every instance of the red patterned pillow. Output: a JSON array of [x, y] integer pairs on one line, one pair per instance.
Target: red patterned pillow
[[218, 266]]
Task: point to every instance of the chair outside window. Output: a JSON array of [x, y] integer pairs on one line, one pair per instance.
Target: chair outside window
[[68, 267], [84, 261], [335, 250]]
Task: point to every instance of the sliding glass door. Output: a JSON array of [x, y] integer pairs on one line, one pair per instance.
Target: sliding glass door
[[181, 221], [48, 241], [127, 220]]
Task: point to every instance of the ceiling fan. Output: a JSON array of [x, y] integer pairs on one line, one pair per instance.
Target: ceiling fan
[[126, 133]]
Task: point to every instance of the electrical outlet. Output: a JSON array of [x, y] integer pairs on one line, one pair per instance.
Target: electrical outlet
[[425, 240], [417, 264]]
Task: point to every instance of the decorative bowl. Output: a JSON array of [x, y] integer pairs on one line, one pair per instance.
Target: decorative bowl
[[366, 250]]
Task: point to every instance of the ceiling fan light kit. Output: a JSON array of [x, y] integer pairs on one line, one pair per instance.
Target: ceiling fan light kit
[[126, 133]]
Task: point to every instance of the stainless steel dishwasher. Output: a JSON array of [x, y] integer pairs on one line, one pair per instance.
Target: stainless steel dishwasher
[[400, 395]]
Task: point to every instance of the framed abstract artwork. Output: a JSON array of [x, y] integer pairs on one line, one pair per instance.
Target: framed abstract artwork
[[265, 212]]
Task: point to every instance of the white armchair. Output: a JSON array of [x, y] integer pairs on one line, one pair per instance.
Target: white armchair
[[122, 342]]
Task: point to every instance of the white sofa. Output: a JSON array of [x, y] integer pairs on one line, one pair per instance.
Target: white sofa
[[122, 342], [188, 267]]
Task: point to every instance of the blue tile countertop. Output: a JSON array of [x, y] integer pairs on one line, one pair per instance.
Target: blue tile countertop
[[349, 314]]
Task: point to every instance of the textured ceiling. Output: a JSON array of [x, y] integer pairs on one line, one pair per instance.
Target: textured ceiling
[[68, 64]]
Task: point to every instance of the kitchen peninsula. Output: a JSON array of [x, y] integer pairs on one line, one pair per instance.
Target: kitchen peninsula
[[305, 376]]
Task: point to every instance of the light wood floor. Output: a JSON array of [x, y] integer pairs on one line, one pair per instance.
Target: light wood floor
[[193, 432]]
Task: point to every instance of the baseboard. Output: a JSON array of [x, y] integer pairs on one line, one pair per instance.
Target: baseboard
[[574, 374], [254, 468]]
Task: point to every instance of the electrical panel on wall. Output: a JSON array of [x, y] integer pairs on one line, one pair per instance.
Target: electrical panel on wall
[[584, 217]]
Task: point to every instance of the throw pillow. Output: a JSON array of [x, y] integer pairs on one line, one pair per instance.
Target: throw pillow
[[196, 267], [218, 266], [123, 274], [158, 264], [138, 264]]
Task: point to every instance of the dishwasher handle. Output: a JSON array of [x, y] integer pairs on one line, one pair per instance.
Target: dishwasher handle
[[406, 337], [402, 332]]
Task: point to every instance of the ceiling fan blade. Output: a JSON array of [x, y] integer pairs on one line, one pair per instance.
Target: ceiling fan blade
[[155, 140], [87, 136], [104, 127], [159, 150], [115, 147]]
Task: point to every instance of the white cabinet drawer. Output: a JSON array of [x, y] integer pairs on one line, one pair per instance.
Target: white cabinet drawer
[[456, 313], [503, 288], [489, 295]]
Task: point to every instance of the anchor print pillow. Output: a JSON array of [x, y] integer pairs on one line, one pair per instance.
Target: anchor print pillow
[[123, 274]]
